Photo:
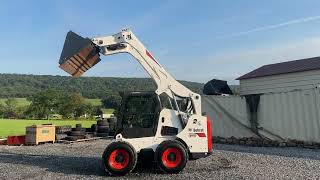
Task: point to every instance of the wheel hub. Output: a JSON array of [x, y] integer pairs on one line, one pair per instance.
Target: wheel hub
[[171, 157], [119, 158]]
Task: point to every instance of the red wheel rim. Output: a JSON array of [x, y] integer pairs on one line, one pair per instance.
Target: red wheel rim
[[119, 159], [171, 157]]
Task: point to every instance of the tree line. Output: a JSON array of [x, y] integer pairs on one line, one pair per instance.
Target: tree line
[[49, 102], [18, 85], [65, 95]]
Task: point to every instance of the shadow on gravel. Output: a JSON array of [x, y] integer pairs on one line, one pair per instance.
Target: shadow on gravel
[[92, 166], [68, 165], [56, 164], [313, 154]]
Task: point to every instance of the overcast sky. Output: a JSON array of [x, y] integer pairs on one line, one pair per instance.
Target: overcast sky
[[193, 40]]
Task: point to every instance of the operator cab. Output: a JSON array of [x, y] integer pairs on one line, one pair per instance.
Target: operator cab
[[139, 112]]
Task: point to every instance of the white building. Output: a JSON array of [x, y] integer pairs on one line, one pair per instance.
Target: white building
[[282, 77]]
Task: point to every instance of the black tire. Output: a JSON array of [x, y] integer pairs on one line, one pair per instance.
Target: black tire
[[112, 133], [102, 134], [103, 127], [88, 136], [171, 156], [62, 129], [88, 129], [59, 131], [72, 138], [111, 120], [112, 126], [78, 129], [68, 133], [106, 130], [119, 158], [113, 123], [94, 128], [60, 136], [77, 133], [102, 123]]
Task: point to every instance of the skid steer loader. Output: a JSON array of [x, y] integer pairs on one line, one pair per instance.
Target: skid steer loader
[[167, 123]]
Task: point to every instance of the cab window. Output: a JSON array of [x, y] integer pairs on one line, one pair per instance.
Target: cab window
[[139, 112]]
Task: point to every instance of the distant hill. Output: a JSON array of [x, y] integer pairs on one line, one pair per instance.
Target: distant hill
[[20, 86]]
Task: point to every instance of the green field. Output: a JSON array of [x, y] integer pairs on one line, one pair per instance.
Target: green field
[[18, 127], [94, 102], [25, 102], [21, 101]]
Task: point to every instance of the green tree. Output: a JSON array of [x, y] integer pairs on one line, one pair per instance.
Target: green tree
[[21, 112], [96, 111], [10, 108], [43, 104], [16, 85], [111, 102], [73, 105], [89, 109], [2, 109]]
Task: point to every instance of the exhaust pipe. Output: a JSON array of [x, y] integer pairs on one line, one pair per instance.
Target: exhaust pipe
[[78, 54]]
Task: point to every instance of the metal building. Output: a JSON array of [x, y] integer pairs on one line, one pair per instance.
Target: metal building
[[282, 77], [278, 101]]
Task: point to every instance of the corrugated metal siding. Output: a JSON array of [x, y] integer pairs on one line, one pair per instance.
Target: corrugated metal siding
[[291, 115], [285, 115], [228, 115], [280, 83]]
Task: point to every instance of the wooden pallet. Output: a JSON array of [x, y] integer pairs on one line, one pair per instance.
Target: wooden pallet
[[39, 143], [79, 140], [3, 141]]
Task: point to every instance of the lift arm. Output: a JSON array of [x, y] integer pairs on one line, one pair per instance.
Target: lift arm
[[126, 42]]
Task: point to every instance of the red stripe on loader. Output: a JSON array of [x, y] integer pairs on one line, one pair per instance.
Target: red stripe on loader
[[150, 56], [201, 134]]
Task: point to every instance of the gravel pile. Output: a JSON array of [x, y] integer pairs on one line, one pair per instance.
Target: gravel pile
[[82, 161]]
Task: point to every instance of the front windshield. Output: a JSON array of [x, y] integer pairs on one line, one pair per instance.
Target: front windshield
[[139, 111]]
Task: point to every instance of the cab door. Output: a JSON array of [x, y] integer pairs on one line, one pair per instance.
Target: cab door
[[139, 115]]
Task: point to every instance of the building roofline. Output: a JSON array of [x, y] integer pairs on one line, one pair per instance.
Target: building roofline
[[300, 65]]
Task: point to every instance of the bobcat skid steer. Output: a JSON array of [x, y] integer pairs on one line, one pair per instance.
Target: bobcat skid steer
[[167, 123]]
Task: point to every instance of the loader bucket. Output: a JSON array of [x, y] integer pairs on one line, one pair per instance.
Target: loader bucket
[[78, 54]]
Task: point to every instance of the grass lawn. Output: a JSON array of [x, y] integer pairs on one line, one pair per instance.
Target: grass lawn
[[18, 127]]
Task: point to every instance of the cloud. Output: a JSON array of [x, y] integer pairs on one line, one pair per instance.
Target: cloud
[[274, 26]]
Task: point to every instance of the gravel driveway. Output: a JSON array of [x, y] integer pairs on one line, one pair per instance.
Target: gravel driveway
[[82, 161]]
